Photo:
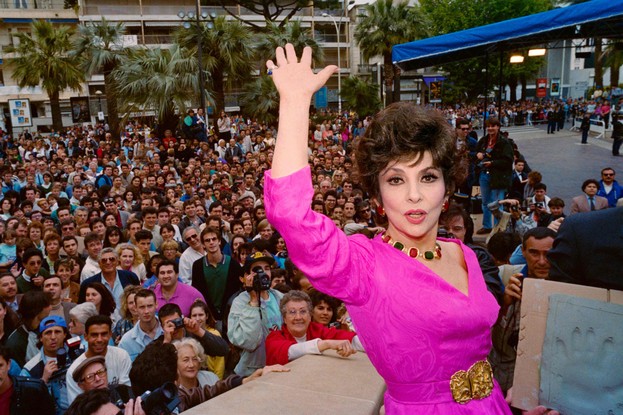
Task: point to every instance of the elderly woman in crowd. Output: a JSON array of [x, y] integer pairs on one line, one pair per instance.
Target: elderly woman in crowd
[[300, 336], [190, 356], [78, 316]]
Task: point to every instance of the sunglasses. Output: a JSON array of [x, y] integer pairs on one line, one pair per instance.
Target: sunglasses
[[191, 237], [105, 260]]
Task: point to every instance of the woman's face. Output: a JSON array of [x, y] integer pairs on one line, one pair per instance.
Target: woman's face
[[413, 197], [111, 221], [35, 234], [323, 313], [199, 315], [127, 258], [236, 244], [297, 317], [188, 363], [6, 205], [456, 226], [94, 297], [136, 182], [167, 234], [52, 247], [114, 238], [281, 245], [132, 305], [64, 273], [129, 197], [75, 327]]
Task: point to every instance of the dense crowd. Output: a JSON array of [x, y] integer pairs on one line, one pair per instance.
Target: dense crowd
[[130, 264]]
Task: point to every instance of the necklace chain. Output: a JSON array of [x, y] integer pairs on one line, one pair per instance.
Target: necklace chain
[[412, 251]]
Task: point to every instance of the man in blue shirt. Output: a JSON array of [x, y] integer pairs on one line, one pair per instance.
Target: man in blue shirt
[[148, 328], [609, 188]]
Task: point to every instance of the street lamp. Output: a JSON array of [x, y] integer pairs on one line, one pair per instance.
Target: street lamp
[[99, 93], [197, 16], [339, 72]]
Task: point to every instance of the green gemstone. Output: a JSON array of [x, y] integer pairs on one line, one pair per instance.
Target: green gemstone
[[399, 246], [429, 255]]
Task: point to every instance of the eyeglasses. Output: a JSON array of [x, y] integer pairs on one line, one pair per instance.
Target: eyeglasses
[[608, 174], [214, 239], [191, 237], [91, 376], [294, 313], [366, 210], [111, 259], [465, 129]]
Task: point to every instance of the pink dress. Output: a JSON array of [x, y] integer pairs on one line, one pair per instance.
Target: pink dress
[[416, 328]]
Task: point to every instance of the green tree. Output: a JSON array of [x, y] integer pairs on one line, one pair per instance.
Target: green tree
[[261, 99], [387, 24], [43, 58], [158, 79], [100, 46], [292, 32], [613, 58], [361, 96], [464, 79], [228, 51]]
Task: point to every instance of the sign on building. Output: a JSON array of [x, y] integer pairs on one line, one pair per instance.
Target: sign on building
[[20, 112]]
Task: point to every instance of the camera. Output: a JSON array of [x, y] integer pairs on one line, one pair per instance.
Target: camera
[[514, 208], [261, 281], [539, 205], [161, 401], [178, 322]]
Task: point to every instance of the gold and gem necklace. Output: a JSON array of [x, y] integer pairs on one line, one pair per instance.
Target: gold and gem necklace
[[413, 252]]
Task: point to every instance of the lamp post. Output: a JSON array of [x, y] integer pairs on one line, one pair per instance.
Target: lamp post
[[339, 72], [197, 16], [99, 93]]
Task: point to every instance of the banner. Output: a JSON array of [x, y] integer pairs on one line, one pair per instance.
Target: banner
[[80, 109], [20, 112], [541, 87], [434, 91], [554, 89], [321, 98]]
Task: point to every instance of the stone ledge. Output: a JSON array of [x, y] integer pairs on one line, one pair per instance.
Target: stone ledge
[[326, 384]]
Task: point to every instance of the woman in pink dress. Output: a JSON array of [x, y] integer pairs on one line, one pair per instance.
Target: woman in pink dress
[[419, 303]]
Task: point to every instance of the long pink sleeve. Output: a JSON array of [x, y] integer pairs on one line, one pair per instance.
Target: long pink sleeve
[[338, 265]]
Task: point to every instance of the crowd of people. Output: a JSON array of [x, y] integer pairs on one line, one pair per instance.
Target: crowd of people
[[131, 264]]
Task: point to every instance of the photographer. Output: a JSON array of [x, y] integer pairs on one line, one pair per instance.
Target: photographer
[[51, 364], [176, 327], [515, 220], [254, 313]]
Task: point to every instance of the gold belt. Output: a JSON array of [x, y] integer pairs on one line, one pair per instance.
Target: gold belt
[[476, 383]]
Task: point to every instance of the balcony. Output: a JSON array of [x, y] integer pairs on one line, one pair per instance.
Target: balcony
[[39, 9]]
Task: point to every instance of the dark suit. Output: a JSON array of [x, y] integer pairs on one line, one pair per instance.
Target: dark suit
[[231, 286], [580, 204], [517, 187], [589, 250], [125, 277]]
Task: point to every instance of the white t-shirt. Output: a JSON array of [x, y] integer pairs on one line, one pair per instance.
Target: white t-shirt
[[118, 365]]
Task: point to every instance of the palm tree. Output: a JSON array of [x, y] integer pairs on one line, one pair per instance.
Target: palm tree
[[387, 24], [101, 49], [261, 99], [228, 53], [292, 32], [362, 96], [43, 58], [158, 79], [613, 57]]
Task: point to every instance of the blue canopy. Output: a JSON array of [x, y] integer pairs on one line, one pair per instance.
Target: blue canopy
[[597, 18]]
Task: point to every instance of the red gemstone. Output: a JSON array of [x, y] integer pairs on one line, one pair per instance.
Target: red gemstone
[[386, 238], [413, 252], [438, 250]]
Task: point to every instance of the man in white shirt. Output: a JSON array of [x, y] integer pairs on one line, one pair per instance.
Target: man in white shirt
[[194, 252], [93, 245], [98, 331]]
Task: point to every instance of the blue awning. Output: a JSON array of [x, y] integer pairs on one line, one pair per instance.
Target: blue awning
[[597, 18]]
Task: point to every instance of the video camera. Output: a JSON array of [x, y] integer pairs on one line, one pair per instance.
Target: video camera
[[161, 401], [261, 281]]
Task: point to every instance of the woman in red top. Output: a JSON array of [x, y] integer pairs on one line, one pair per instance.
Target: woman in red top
[[300, 336]]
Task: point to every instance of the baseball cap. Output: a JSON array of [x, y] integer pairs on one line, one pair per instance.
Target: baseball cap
[[79, 370], [257, 257], [51, 321]]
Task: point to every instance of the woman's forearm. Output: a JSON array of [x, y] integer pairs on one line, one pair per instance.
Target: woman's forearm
[[291, 147]]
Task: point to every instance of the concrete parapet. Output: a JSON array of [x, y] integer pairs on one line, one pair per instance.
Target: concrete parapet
[[326, 384]]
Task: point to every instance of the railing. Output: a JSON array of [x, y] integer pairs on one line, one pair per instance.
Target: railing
[[155, 39], [33, 4], [597, 126]]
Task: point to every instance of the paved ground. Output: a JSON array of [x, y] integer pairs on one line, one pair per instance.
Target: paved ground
[[563, 161]]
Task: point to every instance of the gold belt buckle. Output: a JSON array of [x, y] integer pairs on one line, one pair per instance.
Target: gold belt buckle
[[475, 383]]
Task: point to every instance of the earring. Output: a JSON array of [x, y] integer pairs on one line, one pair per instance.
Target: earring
[[445, 205], [380, 211]]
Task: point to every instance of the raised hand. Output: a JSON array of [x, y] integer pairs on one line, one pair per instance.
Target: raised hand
[[295, 79]]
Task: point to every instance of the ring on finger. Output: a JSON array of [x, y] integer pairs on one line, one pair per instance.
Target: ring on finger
[[270, 70]]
